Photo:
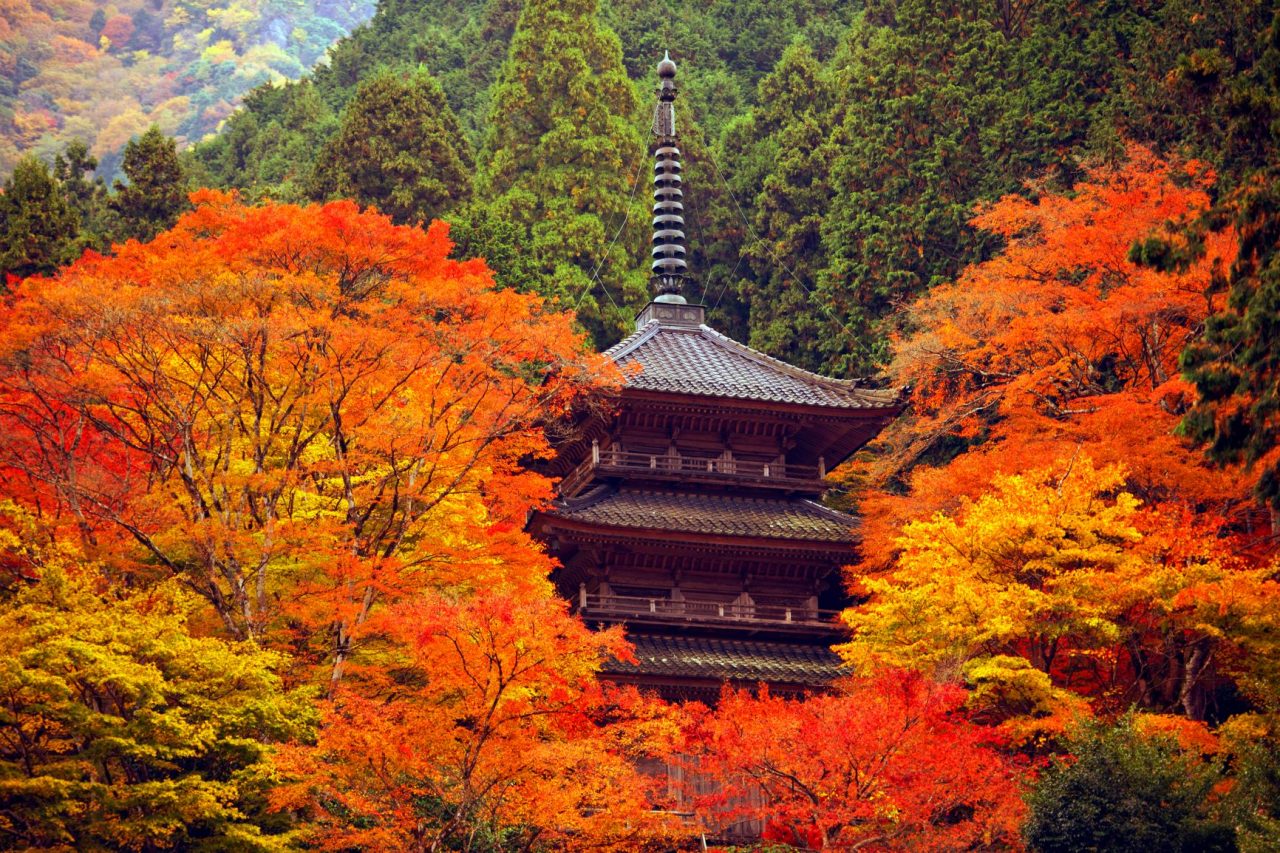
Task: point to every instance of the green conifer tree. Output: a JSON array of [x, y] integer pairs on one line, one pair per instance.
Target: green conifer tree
[[70, 169], [268, 148], [940, 107], [156, 192], [785, 155], [1236, 365], [1196, 80], [563, 149], [399, 149], [37, 226], [88, 196], [713, 226]]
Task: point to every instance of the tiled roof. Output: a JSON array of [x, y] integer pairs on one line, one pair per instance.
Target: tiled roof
[[731, 660], [699, 360], [727, 515]]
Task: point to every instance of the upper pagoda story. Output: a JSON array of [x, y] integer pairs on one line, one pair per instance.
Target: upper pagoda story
[[676, 352]]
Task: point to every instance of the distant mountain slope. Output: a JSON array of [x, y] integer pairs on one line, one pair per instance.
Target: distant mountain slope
[[105, 72]]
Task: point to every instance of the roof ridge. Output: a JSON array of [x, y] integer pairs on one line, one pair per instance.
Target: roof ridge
[[700, 360], [631, 341], [587, 499], [832, 513], [853, 385]]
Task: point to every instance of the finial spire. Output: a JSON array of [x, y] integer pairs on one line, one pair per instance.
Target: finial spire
[[669, 265]]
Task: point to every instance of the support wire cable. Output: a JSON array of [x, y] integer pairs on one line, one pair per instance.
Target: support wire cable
[[813, 297], [595, 278]]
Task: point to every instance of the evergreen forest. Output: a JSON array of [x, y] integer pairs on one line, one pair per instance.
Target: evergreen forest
[[297, 299]]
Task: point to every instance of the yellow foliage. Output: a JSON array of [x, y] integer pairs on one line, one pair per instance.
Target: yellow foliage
[[234, 19], [1243, 730], [121, 730], [220, 51], [1033, 560], [1031, 711], [1056, 580], [123, 126]]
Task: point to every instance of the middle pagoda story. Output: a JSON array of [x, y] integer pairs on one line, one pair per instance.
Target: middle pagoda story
[[692, 514]]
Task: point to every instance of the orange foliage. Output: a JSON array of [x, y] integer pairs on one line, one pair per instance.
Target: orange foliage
[[1059, 344], [118, 30], [490, 720], [319, 422], [300, 412], [1190, 735], [883, 764], [73, 51]]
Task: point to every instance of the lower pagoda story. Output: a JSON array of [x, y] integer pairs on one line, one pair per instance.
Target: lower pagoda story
[[713, 587]]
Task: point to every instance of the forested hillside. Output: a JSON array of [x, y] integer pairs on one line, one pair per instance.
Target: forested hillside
[[273, 405], [836, 153], [103, 73]]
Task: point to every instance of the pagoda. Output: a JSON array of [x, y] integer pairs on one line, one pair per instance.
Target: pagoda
[[691, 513]]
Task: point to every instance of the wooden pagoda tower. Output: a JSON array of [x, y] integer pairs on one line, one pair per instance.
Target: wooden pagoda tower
[[692, 514]]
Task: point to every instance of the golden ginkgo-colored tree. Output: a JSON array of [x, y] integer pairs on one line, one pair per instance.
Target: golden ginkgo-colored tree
[[1061, 567]]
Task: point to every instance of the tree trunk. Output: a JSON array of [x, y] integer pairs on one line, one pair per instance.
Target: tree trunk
[[1193, 696]]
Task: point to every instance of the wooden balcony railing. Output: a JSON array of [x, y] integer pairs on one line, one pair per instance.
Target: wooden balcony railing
[[676, 610], [614, 462]]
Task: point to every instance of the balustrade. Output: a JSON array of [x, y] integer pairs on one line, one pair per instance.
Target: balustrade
[[726, 468], [696, 611]]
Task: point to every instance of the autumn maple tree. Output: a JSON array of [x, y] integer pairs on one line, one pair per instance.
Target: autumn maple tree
[[1060, 343], [492, 732], [1036, 527], [296, 412], [317, 424], [886, 763]]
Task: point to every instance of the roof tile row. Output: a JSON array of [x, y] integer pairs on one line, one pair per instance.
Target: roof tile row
[[716, 514], [729, 660]]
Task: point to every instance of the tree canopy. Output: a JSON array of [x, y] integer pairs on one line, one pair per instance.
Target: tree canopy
[[562, 157], [121, 730], [399, 148]]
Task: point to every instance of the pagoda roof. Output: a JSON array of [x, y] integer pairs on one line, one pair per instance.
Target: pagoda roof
[[714, 514], [692, 358], [729, 660]]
